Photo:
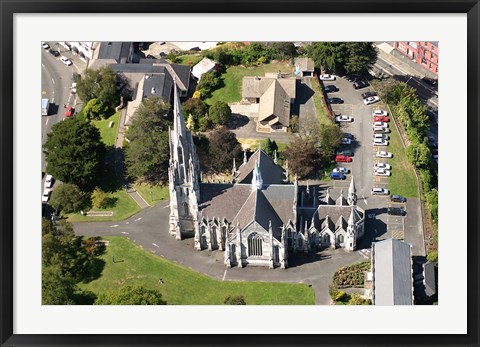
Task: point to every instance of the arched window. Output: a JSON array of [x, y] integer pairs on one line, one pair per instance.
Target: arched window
[[254, 245], [326, 238], [213, 238], [185, 209], [289, 238], [300, 242], [340, 238]]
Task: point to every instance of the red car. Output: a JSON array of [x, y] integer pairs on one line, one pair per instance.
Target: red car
[[380, 119], [68, 111], [343, 159]]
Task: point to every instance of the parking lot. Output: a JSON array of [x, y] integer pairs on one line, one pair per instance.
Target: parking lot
[[380, 224]]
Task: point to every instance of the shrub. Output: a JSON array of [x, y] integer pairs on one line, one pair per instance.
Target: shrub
[[432, 256], [235, 300], [99, 198]]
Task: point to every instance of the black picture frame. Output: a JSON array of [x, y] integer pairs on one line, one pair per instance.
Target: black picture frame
[[10, 7]]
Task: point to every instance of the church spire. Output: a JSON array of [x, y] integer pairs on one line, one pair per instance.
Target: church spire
[[179, 127], [244, 156], [352, 193], [275, 157], [257, 181]]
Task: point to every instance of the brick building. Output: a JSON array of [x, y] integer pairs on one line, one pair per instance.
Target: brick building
[[424, 53]]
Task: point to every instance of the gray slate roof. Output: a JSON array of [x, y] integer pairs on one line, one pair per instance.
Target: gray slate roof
[[114, 50], [255, 86], [271, 172], [222, 200], [429, 278], [392, 272], [157, 85]]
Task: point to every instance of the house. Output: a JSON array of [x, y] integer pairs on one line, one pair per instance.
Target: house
[[107, 53], [391, 273], [203, 66], [304, 67], [275, 95], [256, 218]]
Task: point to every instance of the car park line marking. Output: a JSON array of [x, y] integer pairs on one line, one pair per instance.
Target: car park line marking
[[365, 200], [53, 81], [166, 206], [224, 274], [127, 223], [125, 233], [155, 245], [47, 121], [136, 220], [114, 226]]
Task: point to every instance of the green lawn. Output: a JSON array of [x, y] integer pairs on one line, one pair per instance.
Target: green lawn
[[123, 206], [232, 78], [189, 59], [254, 143], [109, 135], [152, 194], [135, 266], [403, 180], [319, 103]]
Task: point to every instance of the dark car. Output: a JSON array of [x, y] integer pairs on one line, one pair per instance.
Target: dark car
[[335, 101], [149, 56], [360, 84], [330, 89], [368, 94], [346, 152], [398, 198], [396, 211], [54, 52], [432, 81], [348, 136]]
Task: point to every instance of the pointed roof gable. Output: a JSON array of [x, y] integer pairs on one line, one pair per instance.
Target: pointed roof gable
[[275, 102], [341, 200], [271, 172]]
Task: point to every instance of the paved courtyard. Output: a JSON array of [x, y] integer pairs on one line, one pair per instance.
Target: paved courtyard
[[145, 230]]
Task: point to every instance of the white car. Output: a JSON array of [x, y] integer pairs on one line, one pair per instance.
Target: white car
[[48, 182], [381, 136], [73, 88], [380, 191], [380, 130], [382, 166], [379, 113], [384, 154], [45, 45], [327, 77], [371, 100], [340, 169], [46, 195], [380, 142], [65, 60], [343, 118], [380, 124], [346, 141], [382, 172]]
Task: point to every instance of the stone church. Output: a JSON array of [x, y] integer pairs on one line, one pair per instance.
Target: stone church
[[260, 217]]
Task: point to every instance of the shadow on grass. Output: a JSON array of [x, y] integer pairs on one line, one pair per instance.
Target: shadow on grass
[[84, 297], [111, 178]]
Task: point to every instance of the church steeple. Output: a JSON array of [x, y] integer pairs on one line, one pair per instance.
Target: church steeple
[[179, 127], [257, 181], [352, 193]]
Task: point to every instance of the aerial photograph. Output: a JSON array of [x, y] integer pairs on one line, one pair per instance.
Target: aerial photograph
[[239, 173]]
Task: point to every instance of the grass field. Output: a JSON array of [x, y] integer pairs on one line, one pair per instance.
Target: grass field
[[109, 135], [403, 180], [123, 206], [254, 143], [189, 59], [232, 79], [152, 194], [135, 266]]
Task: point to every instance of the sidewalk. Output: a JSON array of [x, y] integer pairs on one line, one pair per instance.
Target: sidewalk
[[401, 62]]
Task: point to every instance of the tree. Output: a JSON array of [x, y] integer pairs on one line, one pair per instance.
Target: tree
[[361, 56], [208, 83], [235, 300], [99, 198], [220, 112], [148, 153], [328, 56], [99, 84], [302, 157], [74, 152], [285, 50], [356, 299], [57, 288], [196, 107], [329, 138], [68, 198], [419, 155], [269, 147], [95, 109], [131, 295], [223, 147]]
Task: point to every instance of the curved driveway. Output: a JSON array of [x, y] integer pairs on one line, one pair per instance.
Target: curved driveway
[[145, 230]]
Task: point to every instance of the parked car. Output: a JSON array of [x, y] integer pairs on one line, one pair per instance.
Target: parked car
[[54, 52], [68, 111], [368, 94], [345, 152], [343, 159], [45, 45], [48, 182], [346, 141], [380, 124], [381, 119], [149, 56], [343, 118], [337, 176], [379, 191], [360, 84], [348, 136], [341, 169], [396, 211], [379, 113], [382, 166], [382, 172], [384, 154], [330, 88], [335, 101], [380, 142], [327, 77], [65, 60], [371, 100], [73, 88], [46, 195], [380, 130], [431, 81], [381, 136], [398, 198]]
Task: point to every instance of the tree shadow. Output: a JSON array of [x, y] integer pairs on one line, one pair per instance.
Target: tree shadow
[[237, 121], [84, 297], [93, 270], [111, 177]]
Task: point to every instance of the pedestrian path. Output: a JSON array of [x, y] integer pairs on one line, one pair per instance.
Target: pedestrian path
[[138, 198]]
